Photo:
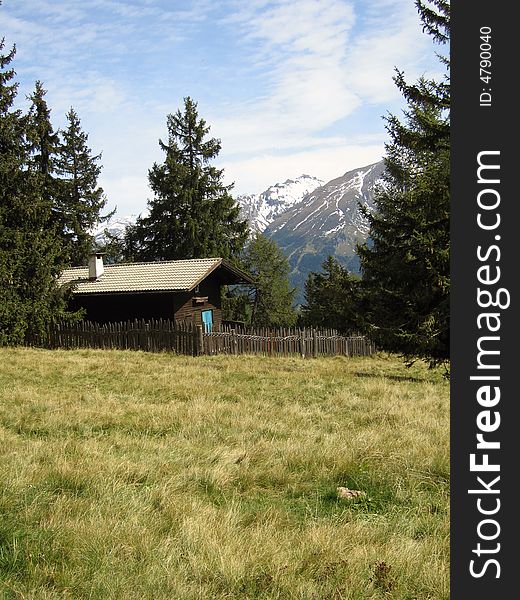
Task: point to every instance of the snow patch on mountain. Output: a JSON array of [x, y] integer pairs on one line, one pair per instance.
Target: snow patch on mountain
[[116, 226], [261, 210], [327, 221]]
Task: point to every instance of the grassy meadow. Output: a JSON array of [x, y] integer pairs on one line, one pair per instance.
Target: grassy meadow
[[126, 475]]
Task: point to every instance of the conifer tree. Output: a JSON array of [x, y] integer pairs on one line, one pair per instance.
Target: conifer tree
[[112, 246], [406, 270], [332, 298], [79, 199], [42, 141], [270, 301], [192, 214], [30, 253]]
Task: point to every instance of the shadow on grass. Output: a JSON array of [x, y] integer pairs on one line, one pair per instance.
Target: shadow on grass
[[401, 378]]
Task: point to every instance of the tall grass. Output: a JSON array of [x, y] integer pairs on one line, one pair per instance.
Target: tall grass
[[126, 475]]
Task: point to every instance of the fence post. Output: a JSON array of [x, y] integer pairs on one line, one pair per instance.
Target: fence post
[[234, 341], [302, 343], [200, 337], [194, 339], [315, 343]]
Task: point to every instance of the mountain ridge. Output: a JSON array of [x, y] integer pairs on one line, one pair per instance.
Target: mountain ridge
[[327, 221], [261, 209], [307, 218]]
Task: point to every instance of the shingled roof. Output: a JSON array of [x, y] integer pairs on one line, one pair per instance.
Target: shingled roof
[[170, 275]]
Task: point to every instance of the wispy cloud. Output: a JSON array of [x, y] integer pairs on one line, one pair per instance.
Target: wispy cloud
[[320, 63], [326, 162], [302, 44], [390, 39], [288, 85], [319, 72]]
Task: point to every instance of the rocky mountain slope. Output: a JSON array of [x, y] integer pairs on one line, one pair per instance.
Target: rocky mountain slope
[[116, 226], [326, 221], [309, 219], [262, 209]]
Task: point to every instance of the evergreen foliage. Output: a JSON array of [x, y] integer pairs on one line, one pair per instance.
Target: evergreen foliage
[[406, 271], [42, 141], [270, 302], [79, 199], [112, 247], [30, 252], [332, 298], [237, 304], [192, 214]]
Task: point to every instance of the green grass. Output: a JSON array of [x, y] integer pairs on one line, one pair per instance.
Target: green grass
[[126, 475]]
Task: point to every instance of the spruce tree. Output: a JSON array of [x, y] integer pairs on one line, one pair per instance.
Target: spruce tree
[[192, 214], [30, 253], [332, 298], [406, 269], [79, 199], [12, 321], [271, 299], [42, 141], [112, 246]]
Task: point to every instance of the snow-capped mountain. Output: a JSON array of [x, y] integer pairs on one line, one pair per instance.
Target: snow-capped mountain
[[327, 221], [116, 226], [307, 218], [259, 209], [262, 209]]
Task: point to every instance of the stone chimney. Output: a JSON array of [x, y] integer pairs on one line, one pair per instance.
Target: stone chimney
[[95, 266]]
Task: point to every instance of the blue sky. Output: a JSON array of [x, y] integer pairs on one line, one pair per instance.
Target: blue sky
[[289, 86]]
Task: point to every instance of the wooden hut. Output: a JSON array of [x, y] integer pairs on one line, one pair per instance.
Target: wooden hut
[[173, 289]]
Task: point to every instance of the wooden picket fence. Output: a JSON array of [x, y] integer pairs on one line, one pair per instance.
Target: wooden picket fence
[[306, 342], [150, 335], [188, 338]]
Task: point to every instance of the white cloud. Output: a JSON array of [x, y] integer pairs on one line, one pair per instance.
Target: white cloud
[[289, 79], [304, 44], [132, 190], [387, 43], [319, 72], [255, 174]]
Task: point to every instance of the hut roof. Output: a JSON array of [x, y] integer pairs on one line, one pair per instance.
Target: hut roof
[[169, 275]]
